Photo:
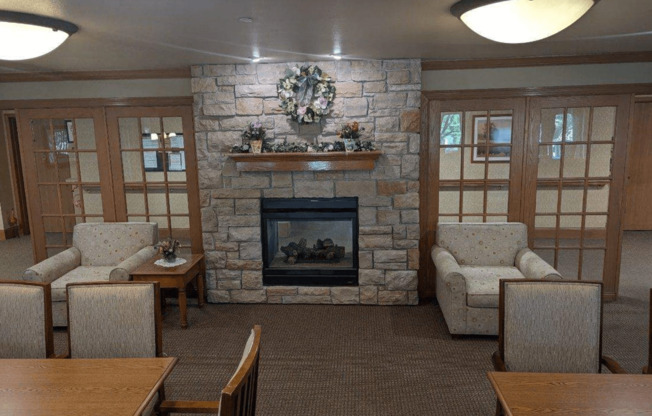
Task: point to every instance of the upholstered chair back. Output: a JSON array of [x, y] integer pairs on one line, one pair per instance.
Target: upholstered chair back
[[114, 320], [483, 244], [25, 320], [551, 326], [108, 244]]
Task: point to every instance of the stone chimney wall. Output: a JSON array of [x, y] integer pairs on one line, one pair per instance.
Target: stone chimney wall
[[384, 97]]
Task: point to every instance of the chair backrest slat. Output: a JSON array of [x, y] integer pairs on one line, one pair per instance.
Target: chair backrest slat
[[239, 396]]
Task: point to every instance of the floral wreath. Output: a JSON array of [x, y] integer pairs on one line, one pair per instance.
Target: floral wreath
[[306, 93]]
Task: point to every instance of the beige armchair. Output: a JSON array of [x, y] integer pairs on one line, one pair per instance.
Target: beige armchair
[[99, 252], [470, 259]]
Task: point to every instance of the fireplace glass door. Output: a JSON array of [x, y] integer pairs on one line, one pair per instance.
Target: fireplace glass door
[[310, 241]]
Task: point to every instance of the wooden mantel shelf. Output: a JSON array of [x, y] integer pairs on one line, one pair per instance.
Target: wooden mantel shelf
[[264, 162]]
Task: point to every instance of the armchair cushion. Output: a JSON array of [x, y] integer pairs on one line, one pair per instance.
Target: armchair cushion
[[483, 284], [108, 244], [483, 244], [79, 275], [54, 267]]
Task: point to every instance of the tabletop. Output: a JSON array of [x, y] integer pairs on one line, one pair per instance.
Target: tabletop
[[149, 268], [573, 394], [116, 386]]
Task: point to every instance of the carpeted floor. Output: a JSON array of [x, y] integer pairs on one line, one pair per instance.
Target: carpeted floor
[[371, 360], [15, 257]]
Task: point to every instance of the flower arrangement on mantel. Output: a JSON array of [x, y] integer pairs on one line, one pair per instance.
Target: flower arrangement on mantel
[[306, 93], [252, 137], [349, 132]]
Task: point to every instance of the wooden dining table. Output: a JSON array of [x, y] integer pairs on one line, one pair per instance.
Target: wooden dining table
[[71, 387], [573, 394]]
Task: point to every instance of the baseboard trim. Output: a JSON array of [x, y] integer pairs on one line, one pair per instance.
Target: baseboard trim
[[11, 232]]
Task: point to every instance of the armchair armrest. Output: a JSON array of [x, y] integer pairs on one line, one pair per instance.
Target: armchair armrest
[[612, 365], [445, 263], [54, 267], [534, 267], [187, 406], [122, 270]]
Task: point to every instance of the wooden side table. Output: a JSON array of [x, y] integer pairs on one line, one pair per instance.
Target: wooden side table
[[176, 277]]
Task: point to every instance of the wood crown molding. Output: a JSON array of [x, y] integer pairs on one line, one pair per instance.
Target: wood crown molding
[[611, 58], [95, 75]]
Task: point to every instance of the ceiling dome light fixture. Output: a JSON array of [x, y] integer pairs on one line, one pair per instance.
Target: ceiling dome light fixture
[[27, 36], [519, 21]]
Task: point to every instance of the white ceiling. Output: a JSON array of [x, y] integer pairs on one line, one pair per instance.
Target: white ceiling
[[153, 34]]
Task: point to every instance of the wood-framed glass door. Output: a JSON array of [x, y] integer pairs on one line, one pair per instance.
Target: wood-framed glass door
[[575, 170], [474, 167], [155, 170], [67, 172]]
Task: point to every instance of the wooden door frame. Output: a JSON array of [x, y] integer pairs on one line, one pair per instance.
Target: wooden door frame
[[431, 110], [15, 172], [23, 117], [192, 180], [614, 230], [429, 162]]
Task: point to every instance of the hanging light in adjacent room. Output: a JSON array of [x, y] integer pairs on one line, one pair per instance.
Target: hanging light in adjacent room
[[26, 36], [519, 21]]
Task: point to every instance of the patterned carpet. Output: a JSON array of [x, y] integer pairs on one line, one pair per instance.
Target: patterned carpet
[[366, 360]]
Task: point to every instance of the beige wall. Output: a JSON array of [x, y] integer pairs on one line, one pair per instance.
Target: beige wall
[[544, 76], [128, 88]]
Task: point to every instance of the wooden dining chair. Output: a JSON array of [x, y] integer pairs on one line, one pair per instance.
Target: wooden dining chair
[[115, 320], [25, 320], [648, 368], [238, 397], [550, 326]]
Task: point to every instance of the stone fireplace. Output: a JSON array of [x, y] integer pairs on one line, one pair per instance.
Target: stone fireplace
[[310, 241], [384, 97]]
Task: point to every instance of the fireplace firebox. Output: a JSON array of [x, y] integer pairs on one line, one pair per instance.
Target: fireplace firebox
[[310, 241]]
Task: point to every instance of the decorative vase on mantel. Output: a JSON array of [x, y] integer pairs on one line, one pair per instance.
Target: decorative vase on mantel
[[256, 146]]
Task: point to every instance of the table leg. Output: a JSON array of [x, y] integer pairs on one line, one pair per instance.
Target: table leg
[[182, 307], [200, 290]]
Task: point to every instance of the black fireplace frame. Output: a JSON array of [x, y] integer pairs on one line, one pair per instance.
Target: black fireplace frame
[[345, 208]]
